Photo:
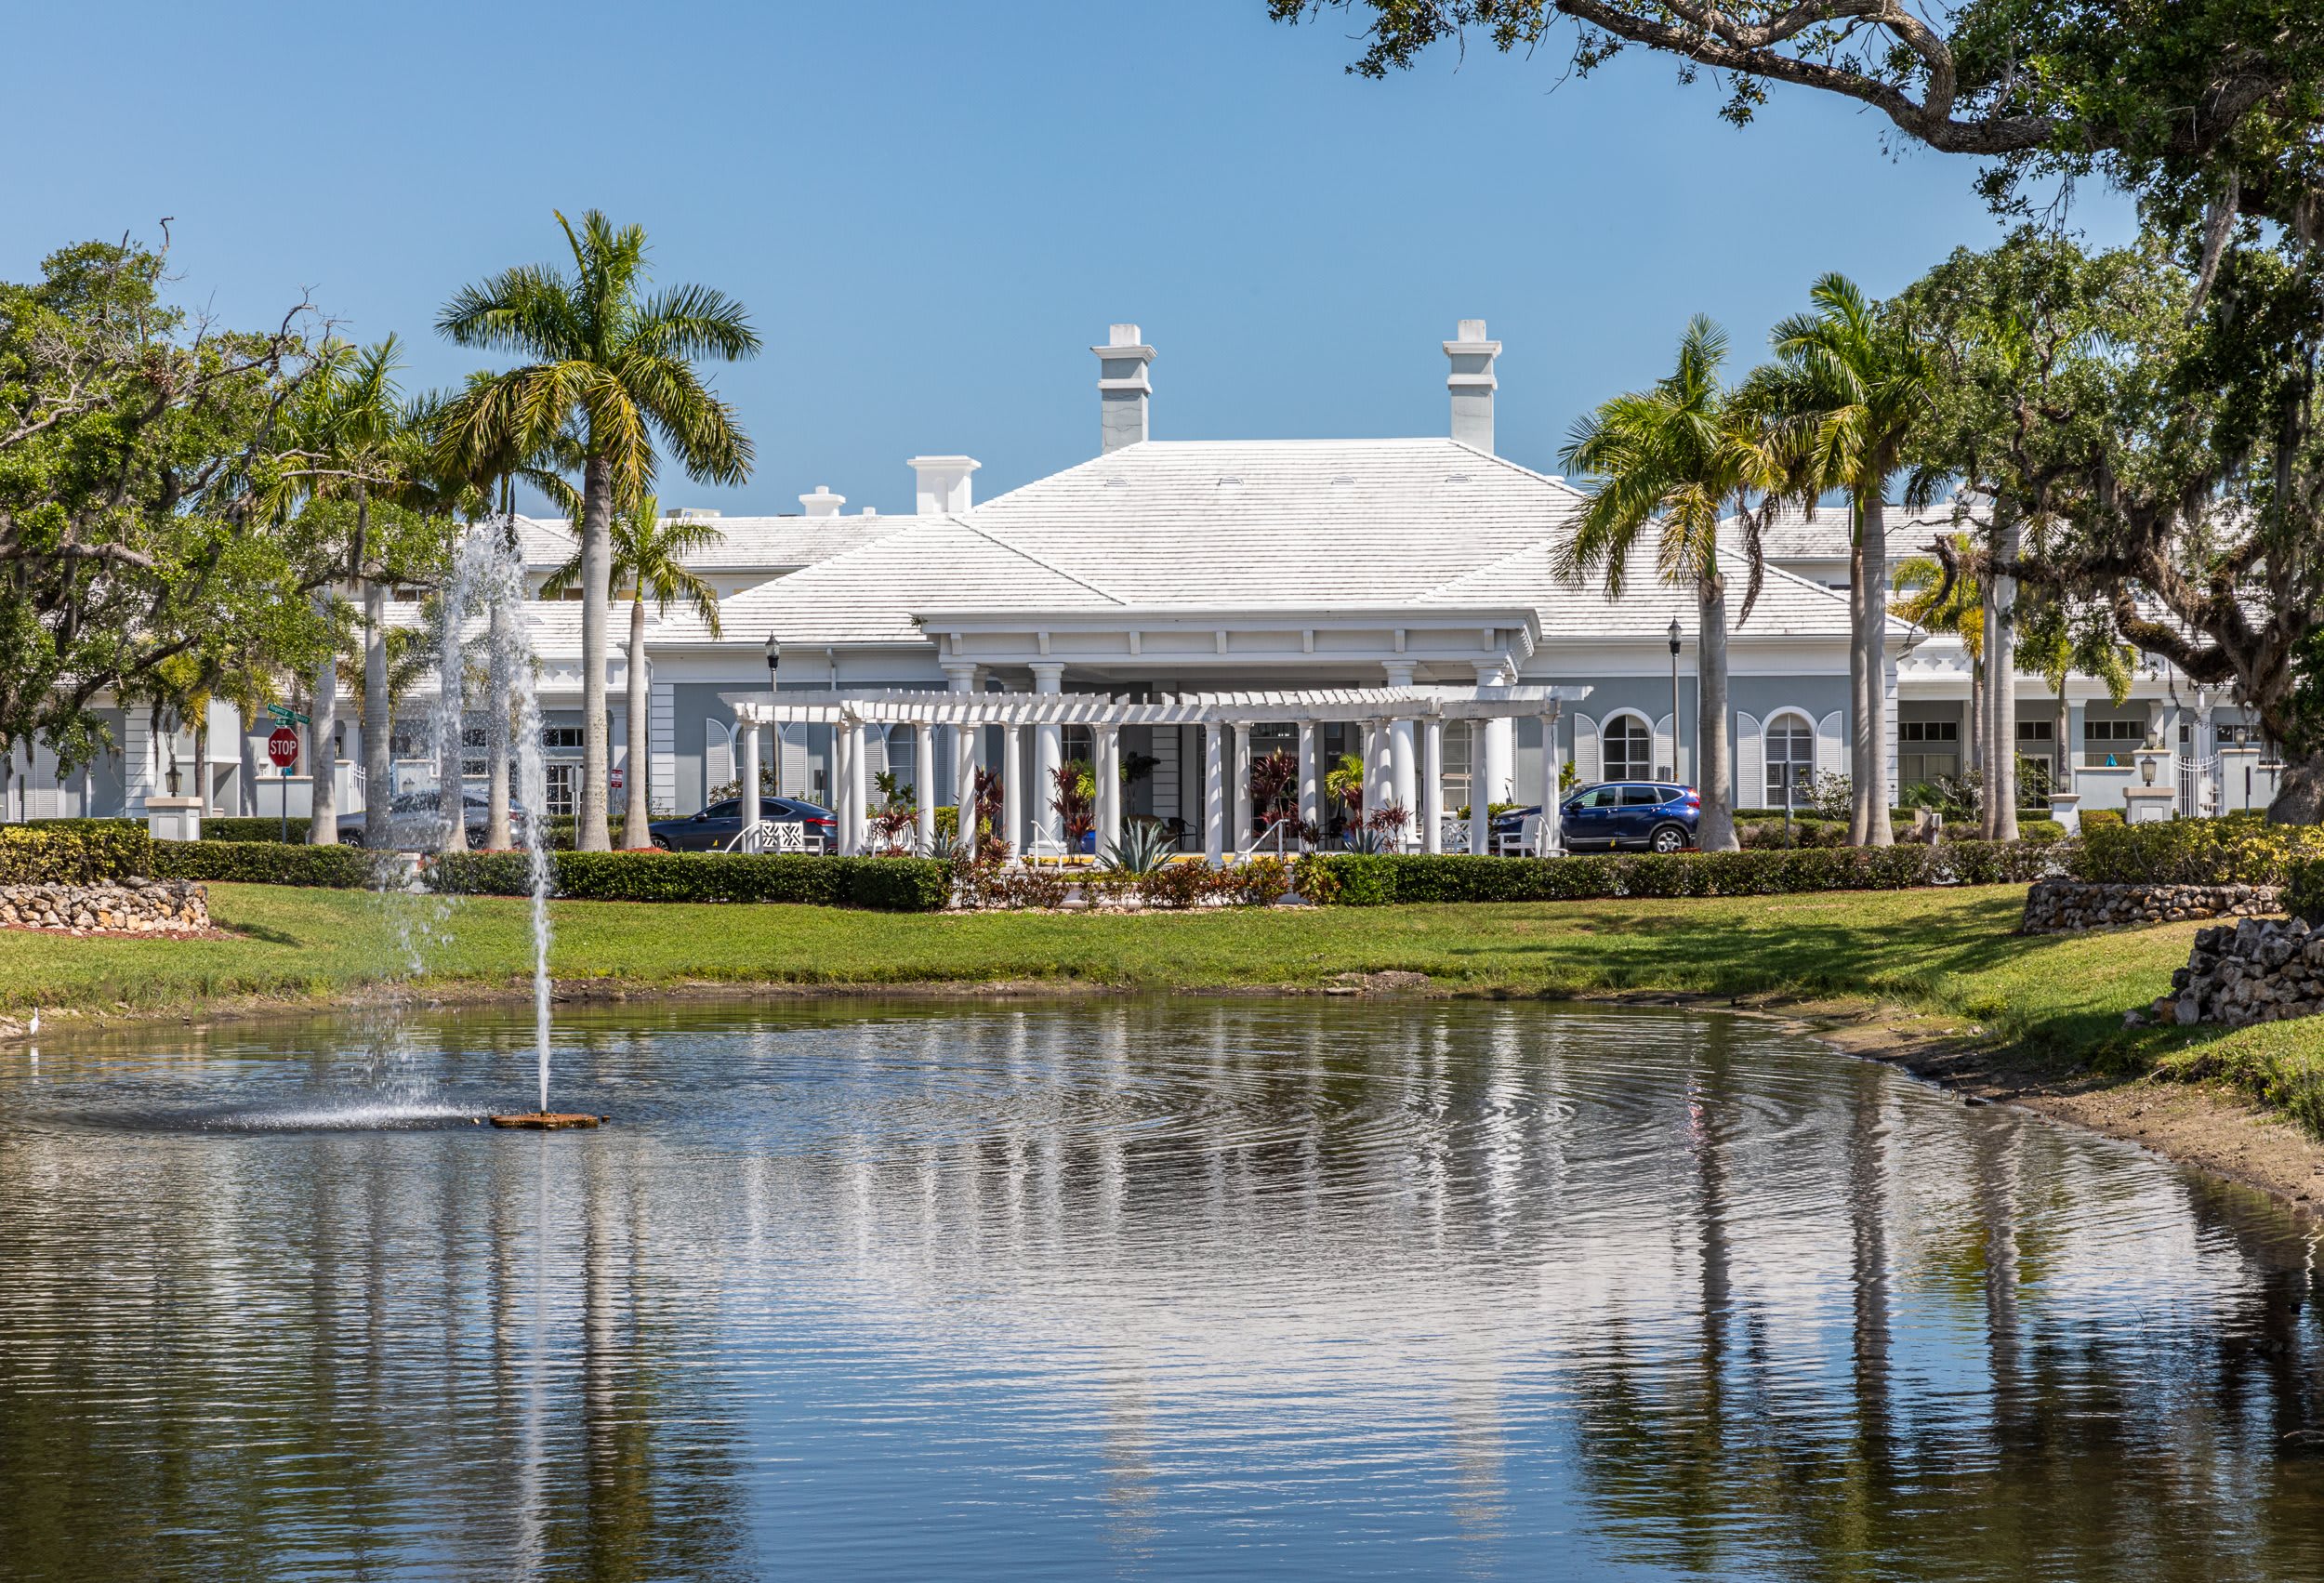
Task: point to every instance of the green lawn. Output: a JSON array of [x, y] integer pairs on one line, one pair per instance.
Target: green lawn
[[1942, 951]]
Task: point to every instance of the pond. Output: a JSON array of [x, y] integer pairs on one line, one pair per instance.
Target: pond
[[1177, 1288]]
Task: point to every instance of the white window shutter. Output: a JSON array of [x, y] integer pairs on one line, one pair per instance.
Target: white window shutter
[[717, 753], [791, 761], [876, 755], [1831, 745], [1589, 754], [1750, 763], [1666, 747]]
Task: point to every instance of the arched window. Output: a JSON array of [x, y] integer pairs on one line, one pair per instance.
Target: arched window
[[1629, 749], [1791, 743]]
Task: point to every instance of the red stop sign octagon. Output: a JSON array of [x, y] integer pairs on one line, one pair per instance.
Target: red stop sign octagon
[[282, 746]]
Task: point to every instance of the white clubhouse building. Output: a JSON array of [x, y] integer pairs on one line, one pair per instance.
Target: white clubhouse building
[[1160, 569]]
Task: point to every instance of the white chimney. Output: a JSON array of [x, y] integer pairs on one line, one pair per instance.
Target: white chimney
[[944, 483], [1471, 384], [823, 503], [1123, 388]]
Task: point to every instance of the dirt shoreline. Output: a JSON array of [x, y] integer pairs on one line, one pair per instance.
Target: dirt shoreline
[[2211, 1128]]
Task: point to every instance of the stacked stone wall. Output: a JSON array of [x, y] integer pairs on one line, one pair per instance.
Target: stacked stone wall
[[2258, 970], [132, 906], [2060, 906]]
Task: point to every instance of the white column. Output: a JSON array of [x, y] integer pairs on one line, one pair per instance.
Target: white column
[[1311, 776], [858, 782], [1499, 759], [1432, 786], [1049, 753], [1214, 794], [1106, 765], [964, 786], [846, 815], [924, 784], [1013, 786], [750, 775], [1552, 832], [1480, 822], [1238, 833], [1403, 761]]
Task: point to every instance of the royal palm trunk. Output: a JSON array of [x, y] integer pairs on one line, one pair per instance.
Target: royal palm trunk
[[1716, 766], [597, 558], [2000, 664], [379, 769], [633, 805], [1870, 741], [323, 828]]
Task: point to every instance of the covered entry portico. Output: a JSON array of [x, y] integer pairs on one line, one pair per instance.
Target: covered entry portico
[[1403, 729]]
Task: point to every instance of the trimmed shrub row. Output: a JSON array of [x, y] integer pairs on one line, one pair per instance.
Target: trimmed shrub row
[[1366, 881], [226, 828], [265, 862], [887, 884], [73, 851], [2239, 849]]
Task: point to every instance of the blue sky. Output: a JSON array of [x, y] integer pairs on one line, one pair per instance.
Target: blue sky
[[932, 210]]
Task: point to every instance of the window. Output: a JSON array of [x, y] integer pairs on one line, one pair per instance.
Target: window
[[1628, 749], [2112, 742], [1641, 797], [1596, 797], [1790, 760], [560, 780], [560, 739], [2037, 731], [1927, 750]]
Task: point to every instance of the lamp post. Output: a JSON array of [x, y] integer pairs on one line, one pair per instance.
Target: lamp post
[[775, 668], [1674, 697]]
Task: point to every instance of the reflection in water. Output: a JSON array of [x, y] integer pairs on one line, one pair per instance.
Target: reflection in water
[[1185, 1288]]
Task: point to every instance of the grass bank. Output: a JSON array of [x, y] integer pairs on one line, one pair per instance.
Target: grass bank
[[1947, 951]]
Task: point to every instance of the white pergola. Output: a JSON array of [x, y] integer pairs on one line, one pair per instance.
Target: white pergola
[[1403, 731]]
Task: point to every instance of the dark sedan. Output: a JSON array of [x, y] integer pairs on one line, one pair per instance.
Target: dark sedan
[[415, 826], [718, 824]]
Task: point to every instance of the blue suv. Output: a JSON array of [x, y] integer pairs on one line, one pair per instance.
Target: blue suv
[[1654, 816]]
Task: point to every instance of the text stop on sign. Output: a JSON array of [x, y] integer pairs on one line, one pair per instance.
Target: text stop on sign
[[282, 746]]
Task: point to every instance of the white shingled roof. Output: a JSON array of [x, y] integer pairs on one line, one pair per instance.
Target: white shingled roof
[[1244, 524], [1823, 534], [749, 544]]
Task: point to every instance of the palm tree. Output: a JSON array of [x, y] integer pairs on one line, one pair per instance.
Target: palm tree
[[620, 365], [363, 443], [1676, 456], [1847, 387], [1936, 598], [481, 481], [649, 560]]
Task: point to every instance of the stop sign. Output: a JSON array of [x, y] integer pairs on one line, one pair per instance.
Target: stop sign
[[282, 746]]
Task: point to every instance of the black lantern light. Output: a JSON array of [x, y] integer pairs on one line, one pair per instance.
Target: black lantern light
[[774, 660]]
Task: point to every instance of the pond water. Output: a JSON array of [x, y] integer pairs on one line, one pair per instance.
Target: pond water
[[1180, 1288]]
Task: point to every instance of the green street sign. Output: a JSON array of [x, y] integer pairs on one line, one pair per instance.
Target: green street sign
[[288, 716]]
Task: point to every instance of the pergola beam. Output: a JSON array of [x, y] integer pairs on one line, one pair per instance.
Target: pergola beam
[[1314, 706]]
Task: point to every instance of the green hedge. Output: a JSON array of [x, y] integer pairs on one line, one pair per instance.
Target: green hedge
[[259, 829], [265, 862], [73, 851], [887, 884], [2194, 852], [2303, 891], [1350, 879]]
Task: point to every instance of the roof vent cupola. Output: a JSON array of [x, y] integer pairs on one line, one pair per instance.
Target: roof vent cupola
[[1123, 388], [823, 503], [1473, 384]]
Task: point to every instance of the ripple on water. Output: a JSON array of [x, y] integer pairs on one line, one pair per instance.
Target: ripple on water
[[1170, 1289]]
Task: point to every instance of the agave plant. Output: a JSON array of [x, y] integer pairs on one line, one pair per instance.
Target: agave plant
[[1144, 847]]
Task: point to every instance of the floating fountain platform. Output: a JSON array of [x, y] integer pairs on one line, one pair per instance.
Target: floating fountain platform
[[545, 1120]]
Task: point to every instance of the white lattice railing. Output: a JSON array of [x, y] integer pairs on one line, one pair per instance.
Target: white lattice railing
[[770, 835]]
